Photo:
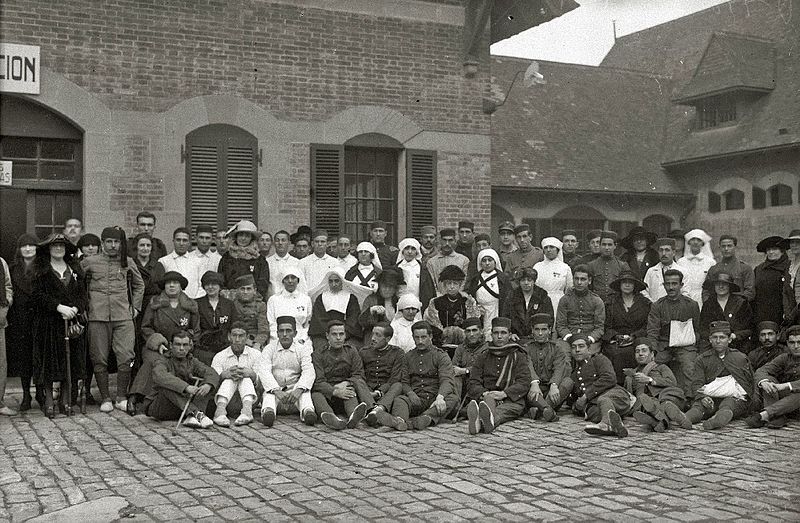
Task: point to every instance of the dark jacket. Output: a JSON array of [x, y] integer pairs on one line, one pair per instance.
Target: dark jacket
[[320, 317], [774, 296], [502, 369], [548, 362], [231, 268], [593, 377], [632, 322], [737, 312], [334, 366], [161, 321], [19, 332], [429, 373], [383, 368], [175, 375], [651, 259], [504, 286], [519, 312], [215, 324], [663, 388], [783, 369], [709, 367]]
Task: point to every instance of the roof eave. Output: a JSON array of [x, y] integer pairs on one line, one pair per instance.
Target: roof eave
[[687, 100], [730, 154], [672, 195]]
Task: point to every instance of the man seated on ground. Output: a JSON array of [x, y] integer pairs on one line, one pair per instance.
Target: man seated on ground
[[723, 380], [287, 375], [550, 371], [171, 384], [769, 348], [779, 384], [339, 385], [384, 365], [465, 354], [238, 367], [524, 301], [499, 379], [428, 388], [454, 306], [598, 398], [659, 400]]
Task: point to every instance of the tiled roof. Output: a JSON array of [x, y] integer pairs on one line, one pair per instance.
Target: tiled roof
[[732, 62], [676, 49], [510, 17], [587, 128]]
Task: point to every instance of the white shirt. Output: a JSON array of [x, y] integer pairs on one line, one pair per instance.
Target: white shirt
[[695, 269], [403, 336], [287, 369], [347, 262], [250, 358], [276, 267], [296, 304], [188, 266], [208, 261], [315, 268], [555, 277], [411, 275]]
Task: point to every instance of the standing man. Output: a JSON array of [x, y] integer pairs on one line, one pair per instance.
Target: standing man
[[569, 237], [674, 323], [466, 239], [742, 273], [593, 242], [146, 224], [606, 267], [654, 277], [73, 230], [207, 260], [111, 274], [696, 263], [387, 254], [180, 261], [343, 256], [446, 256], [507, 244], [280, 260], [581, 311], [317, 264], [527, 255], [427, 242]]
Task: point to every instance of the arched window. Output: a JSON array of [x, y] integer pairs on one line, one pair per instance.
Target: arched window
[[733, 200], [658, 224], [46, 152], [780, 195], [221, 175], [759, 198], [580, 218], [714, 202]]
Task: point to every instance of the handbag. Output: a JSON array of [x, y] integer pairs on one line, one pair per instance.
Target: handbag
[[76, 326], [681, 333]]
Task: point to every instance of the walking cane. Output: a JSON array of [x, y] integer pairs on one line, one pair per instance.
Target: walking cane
[[68, 399], [186, 408]]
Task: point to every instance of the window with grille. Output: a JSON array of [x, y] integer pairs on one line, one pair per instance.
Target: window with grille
[[780, 195], [42, 160], [734, 200], [716, 111], [370, 190], [221, 176]]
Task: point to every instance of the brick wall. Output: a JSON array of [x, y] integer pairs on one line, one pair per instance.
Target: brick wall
[[464, 190], [297, 63]]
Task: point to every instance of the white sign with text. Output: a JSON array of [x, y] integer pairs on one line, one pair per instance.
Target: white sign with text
[[19, 68]]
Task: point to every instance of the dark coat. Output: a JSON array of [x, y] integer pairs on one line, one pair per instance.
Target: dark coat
[[593, 377], [215, 324], [487, 369], [161, 321], [320, 317], [175, 375], [774, 296], [49, 355], [231, 268], [367, 319], [19, 333], [737, 312], [148, 273], [632, 322], [709, 367], [515, 308], [651, 259]]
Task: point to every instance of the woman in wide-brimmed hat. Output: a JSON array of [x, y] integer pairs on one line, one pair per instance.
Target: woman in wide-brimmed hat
[[774, 297], [638, 254], [626, 320], [169, 312], [59, 294], [724, 304], [243, 257]]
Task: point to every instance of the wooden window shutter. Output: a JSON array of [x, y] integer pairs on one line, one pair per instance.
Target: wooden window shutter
[[203, 191], [421, 193], [327, 178], [714, 202], [241, 189]]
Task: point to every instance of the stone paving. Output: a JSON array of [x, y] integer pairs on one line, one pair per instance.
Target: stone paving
[[524, 471]]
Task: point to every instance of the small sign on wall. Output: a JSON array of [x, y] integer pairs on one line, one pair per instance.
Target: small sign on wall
[[19, 68], [5, 172]]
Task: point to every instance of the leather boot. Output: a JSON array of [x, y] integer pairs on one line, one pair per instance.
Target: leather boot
[[123, 381], [102, 384]]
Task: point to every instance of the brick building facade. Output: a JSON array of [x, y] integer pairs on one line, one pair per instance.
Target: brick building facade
[[209, 112]]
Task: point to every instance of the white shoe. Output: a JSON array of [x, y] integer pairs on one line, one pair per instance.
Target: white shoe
[[222, 421], [121, 405], [205, 421], [106, 406], [243, 419], [7, 411], [191, 421]]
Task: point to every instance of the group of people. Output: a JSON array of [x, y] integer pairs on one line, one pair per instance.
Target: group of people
[[246, 324]]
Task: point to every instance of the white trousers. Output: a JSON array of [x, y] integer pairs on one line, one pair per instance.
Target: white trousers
[[269, 401], [229, 387]]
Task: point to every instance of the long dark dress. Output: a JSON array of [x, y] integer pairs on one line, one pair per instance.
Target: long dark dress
[[19, 333], [619, 321], [774, 296], [49, 355]]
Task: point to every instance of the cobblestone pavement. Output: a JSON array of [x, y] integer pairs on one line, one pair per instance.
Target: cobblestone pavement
[[524, 471]]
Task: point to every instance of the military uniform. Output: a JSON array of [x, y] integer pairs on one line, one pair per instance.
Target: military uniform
[[680, 359], [548, 365], [334, 366], [595, 379], [501, 369], [708, 367], [383, 371], [519, 259], [464, 357], [783, 369], [604, 271], [762, 355], [429, 373]]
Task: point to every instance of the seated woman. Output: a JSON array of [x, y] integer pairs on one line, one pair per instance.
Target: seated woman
[[381, 306], [291, 301], [626, 320], [725, 305], [243, 257], [525, 301], [366, 271], [335, 299], [452, 308], [217, 314], [490, 287]]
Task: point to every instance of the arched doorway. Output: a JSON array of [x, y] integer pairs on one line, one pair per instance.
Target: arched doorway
[[658, 224], [580, 218], [46, 152]]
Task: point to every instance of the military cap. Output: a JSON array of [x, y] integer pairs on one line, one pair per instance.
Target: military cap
[[719, 326], [522, 227], [282, 320], [471, 322], [541, 317], [466, 225], [594, 233], [506, 226], [244, 279], [500, 321]]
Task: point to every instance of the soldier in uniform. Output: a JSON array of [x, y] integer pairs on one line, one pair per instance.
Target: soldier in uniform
[[769, 347], [779, 383], [466, 239], [384, 365], [465, 354], [550, 371], [387, 254], [606, 267], [527, 255], [569, 237], [741, 273], [507, 244], [593, 242], [427, 243], [499, 379]]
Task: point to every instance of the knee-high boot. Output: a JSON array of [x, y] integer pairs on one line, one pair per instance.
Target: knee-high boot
[[123, 381]]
